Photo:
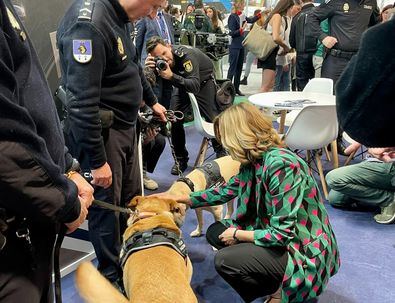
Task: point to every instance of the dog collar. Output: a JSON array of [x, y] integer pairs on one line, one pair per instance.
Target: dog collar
[[188, 182]]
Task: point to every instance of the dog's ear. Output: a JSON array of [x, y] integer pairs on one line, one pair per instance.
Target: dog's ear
[[173, 205], [136, 200]]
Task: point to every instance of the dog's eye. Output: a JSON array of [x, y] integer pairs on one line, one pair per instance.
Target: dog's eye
[[176, 210]]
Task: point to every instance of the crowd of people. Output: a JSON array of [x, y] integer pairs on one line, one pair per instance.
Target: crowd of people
[[280, 243]]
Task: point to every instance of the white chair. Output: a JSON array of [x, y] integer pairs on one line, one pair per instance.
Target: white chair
[[206, 129], [315, 85], [314, 128]]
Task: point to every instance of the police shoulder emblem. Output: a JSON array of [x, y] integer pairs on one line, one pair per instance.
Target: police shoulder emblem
[[188, 66], [82, 50], [121, 49], [346, 7], [15, 24]]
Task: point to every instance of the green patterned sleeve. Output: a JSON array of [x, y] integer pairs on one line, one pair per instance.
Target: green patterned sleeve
[[285, 191], [216, 195]]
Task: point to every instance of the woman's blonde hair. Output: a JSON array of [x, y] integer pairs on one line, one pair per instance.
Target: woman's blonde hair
[[245, 132]]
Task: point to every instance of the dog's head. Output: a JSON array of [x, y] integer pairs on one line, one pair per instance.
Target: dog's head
[[176, 211]]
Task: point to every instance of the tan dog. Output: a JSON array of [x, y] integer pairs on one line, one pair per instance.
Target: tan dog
[[228, 168], [156, 274]]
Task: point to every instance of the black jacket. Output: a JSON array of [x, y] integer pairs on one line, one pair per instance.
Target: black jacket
[[234, 29], [32, 152], [347, 21], [297, 37], [366, 90], [110, 76]]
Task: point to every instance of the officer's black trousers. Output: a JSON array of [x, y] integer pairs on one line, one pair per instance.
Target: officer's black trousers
[[253, 271], [207, 107], [304, 69], [18, 281], [163, 90], [332, 67], [152, 151], [236, 59]]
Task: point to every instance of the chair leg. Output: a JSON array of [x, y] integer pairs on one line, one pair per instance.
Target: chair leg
[[350, 157], [282, 122], [308, 160], [334, 154], [328, 157], [202, 152], [321, 172]]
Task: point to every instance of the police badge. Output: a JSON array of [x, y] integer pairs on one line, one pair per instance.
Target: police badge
[[188, 66], [82, 50]]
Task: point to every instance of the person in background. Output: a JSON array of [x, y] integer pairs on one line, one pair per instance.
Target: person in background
[[41, 189], [275, 25], [218, 28], [281, 243], [102, 77], [237, 26], [318, 56], [385, 12], [197, 20]]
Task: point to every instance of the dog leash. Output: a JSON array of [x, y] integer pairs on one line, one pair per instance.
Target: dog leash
[[112, 207]]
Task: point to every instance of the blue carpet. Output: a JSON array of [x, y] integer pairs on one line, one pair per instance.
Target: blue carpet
[[367, 252]]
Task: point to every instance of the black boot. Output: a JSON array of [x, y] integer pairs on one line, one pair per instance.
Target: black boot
[[244, 81], [238, 92], [183, 165]]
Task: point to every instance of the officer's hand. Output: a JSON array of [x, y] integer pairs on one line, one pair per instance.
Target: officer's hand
[[150, 61], [85, 190], [329, 41], [353, 147], [150, 134], [160, 110], [167, 73], [386, 154], [102, 176], [72, 226]]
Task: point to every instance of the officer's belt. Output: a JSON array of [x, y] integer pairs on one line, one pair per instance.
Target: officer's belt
[[341, 54], [212, 174], [152, 238]]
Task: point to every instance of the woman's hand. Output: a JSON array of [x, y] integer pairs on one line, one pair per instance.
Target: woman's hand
[[227, 236]]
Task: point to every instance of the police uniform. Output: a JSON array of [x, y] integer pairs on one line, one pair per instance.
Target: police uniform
[[102, 75], [198, 21], [32, 156], [347, 21], [192, 72]]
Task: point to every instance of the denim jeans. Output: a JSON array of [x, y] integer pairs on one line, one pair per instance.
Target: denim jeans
[[369, 182], [282, 80]]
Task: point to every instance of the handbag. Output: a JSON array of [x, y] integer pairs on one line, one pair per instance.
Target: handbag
[[259, 42], [225, 95]]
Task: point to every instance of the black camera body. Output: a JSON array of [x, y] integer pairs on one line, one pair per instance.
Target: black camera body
[[148, 119], [160, 63]]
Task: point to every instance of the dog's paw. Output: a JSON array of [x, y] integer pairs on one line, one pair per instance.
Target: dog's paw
[[196, 233]]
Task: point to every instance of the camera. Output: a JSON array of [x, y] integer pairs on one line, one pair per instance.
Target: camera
[[148, 119], [160, 63]]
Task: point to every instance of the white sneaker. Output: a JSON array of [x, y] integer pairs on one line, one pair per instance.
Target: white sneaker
[[149, 183]]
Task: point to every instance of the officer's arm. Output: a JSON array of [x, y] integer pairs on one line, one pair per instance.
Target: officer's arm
[[375, 17], [141, 28], [83, 86], [191, 81], [30, 182], [318, 14], [234, 27]]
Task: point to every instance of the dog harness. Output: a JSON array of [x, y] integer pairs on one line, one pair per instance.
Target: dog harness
[[212, 174], [152, 238]]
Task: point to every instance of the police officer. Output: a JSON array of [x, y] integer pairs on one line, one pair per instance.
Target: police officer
[[105, 86], [190, 70], [36, 197], [347, 21], [198, 20]]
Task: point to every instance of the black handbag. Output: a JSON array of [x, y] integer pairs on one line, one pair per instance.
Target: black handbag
[[225, 95]]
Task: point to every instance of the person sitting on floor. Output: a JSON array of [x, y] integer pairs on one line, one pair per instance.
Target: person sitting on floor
[[371, 182], [281, 243]]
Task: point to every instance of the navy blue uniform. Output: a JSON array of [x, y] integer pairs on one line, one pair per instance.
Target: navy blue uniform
[[347, 21], [101, 71], [32, 157]]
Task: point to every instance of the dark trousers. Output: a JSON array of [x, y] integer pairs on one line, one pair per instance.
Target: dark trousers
[[152, 151], [106, 227], [304, 69], [332, 67], [181, 102], [163, 91], [236, 59], [18, 281], [253, 271]]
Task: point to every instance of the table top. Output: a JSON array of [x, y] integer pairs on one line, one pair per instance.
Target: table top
[[291, 100]]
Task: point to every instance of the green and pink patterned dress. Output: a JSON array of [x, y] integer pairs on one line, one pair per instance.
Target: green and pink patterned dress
[[280, 201]]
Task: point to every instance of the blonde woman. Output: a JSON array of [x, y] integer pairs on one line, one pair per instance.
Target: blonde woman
[[280, 243]]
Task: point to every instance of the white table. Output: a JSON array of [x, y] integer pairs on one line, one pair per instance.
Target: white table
[[270, 99]]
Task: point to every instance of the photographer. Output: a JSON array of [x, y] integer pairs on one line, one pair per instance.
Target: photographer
[[189, 70], [197, 20]]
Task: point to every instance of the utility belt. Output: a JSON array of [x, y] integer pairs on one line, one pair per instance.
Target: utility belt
[[341, 54]]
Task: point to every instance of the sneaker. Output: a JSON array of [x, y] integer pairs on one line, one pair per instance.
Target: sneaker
[[183, 166], [149, 183], [387, 215], [244, 81]]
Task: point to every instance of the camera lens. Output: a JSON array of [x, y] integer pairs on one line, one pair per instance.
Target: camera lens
[[161, 64]]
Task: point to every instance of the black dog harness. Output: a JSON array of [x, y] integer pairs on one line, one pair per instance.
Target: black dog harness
[[151, 238]]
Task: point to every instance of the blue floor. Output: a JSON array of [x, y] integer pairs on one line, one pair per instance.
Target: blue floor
[[367, 252]]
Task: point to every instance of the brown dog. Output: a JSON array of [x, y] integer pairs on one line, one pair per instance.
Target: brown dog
[[228, 168], [156, 274]]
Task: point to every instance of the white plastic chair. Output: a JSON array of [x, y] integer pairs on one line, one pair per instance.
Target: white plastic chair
[[206, 129], [313, 129], [315, 85]]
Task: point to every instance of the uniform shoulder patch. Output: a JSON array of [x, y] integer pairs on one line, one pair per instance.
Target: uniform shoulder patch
[[82, 51], [188, 66], [327, 1]]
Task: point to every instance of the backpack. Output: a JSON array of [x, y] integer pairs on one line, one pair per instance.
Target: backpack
[[225, 95]]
